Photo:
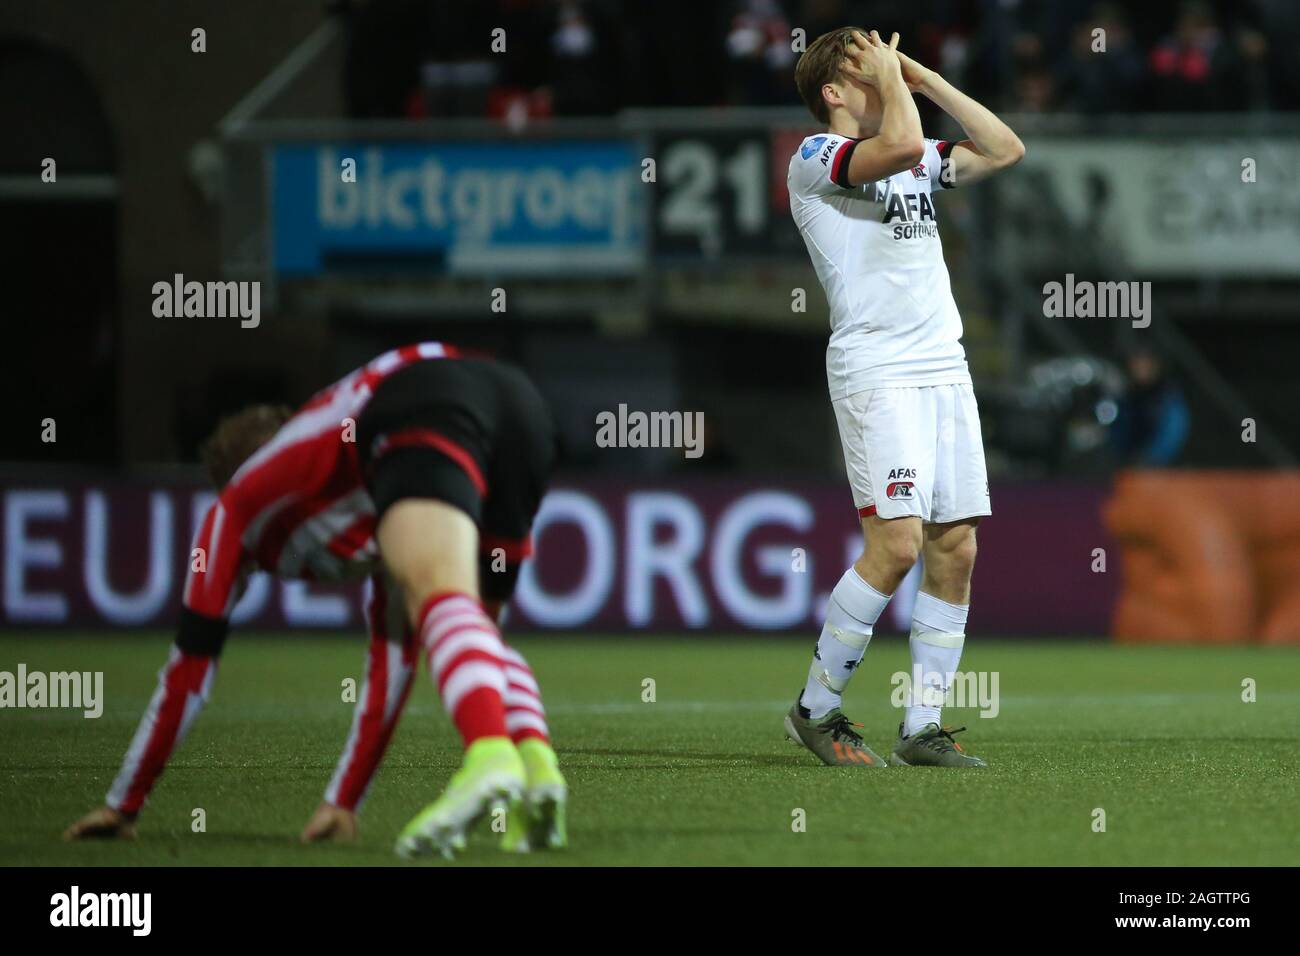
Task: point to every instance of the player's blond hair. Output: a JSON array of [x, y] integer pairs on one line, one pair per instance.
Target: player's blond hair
[[819, 65]]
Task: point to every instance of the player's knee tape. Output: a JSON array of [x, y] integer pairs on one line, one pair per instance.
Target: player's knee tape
[[847, 631], [937, 638]]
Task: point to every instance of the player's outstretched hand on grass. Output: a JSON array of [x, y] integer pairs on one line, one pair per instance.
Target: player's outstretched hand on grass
[[103, 823], [330, 823]]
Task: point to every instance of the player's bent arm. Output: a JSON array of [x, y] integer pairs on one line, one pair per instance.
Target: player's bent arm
[[992, 144], [872, 160], [390, 669], [212, 587], [183, 687], [184, 684], [898, 146]]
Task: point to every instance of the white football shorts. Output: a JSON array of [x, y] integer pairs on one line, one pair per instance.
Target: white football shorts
[[915, 451]]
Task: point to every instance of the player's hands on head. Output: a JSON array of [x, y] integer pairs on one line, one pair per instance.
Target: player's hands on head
[[330, 823], [914, 74], [869, 59], [102, 823]]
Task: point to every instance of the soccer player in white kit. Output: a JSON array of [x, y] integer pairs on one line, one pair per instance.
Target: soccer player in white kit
[[862, 195]]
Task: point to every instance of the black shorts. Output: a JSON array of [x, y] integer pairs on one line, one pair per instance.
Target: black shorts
[[473, 433]]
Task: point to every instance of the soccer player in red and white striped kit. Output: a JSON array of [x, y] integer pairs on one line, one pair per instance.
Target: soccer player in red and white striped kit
[[423, 469]]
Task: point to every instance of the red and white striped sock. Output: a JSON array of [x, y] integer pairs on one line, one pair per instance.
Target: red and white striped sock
[[465, 652], [525, 716]]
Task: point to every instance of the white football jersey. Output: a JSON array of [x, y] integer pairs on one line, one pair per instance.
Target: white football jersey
[[877, 253]]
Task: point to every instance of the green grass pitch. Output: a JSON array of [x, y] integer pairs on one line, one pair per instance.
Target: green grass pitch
[[1159, 738]]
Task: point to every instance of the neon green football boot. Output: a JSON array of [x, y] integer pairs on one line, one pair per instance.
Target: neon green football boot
[[538, 821], [492, 778]]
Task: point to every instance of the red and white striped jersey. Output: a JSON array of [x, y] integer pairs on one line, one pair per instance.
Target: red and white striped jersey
[[298, 506]]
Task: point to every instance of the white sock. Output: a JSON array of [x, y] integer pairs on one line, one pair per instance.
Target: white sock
[[938, 634], [851, 613]]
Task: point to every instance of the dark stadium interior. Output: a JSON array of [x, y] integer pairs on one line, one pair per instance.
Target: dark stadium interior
[[144, 391]]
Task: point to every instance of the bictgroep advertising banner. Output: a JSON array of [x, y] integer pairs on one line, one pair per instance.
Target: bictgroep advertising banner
[[474, 207]]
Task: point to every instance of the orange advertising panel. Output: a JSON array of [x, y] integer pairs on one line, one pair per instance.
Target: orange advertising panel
[[1207, 556]]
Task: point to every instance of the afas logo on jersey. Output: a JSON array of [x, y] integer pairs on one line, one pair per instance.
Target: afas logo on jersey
[[897, 489], [811, 146], [908, 207]]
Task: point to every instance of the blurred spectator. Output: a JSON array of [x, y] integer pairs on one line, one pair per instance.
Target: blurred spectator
[[1194, 68], [760, 55], [1094, 79], [583, 59], [820, 16], [1035, 89], [1152, 419], [421, 58]]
